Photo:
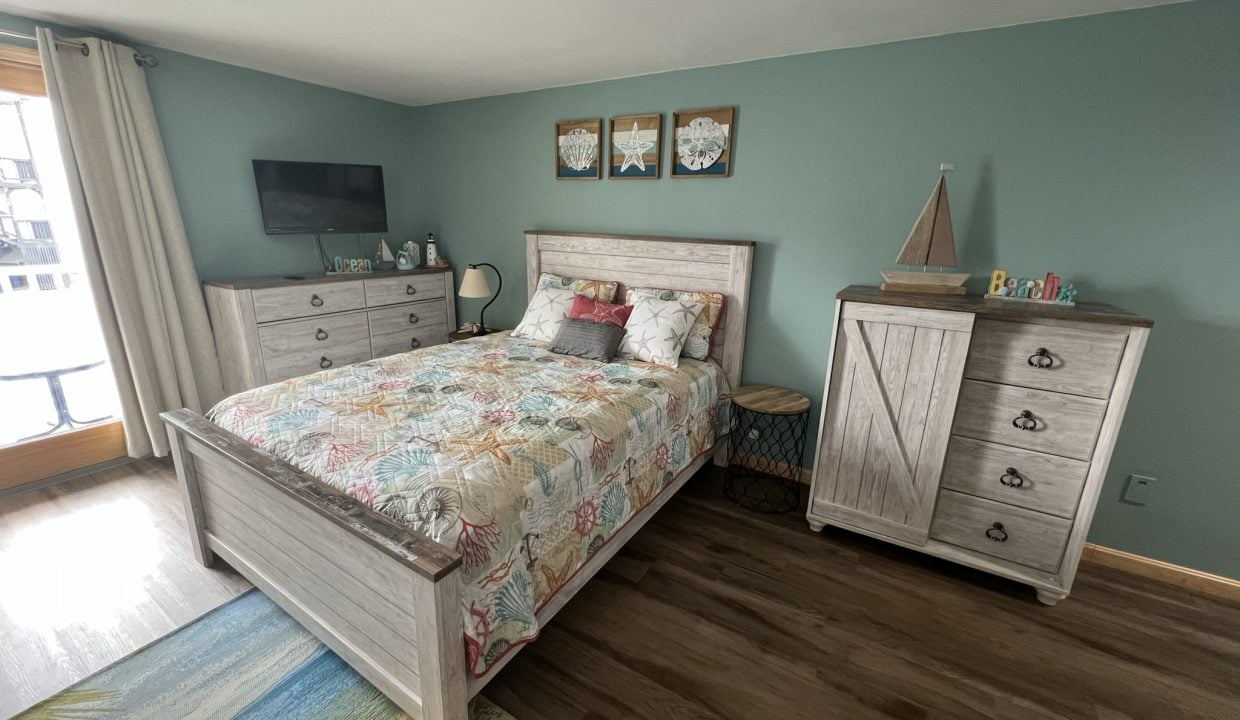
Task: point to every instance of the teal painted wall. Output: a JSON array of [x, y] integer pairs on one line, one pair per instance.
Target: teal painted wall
[[1105, 148], [215, 118]]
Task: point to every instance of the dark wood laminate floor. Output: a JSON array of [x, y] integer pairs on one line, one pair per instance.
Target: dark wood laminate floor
[[91, 570], [710, 612]]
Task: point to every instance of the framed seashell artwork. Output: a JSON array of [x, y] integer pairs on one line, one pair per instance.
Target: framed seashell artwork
[[578, 145], [702, 142], [636, 146]]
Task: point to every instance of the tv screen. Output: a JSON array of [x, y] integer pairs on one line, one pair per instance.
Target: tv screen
[[310, 197]]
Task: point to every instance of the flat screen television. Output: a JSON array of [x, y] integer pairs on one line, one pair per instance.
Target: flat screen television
[[311, 197]]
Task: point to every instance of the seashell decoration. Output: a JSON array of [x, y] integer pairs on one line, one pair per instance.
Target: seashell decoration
[[700, 143], [578, 148]]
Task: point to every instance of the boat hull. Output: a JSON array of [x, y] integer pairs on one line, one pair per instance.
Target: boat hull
[[937, 279]]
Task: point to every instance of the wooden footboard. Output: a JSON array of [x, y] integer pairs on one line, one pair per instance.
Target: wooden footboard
[[383, 597]]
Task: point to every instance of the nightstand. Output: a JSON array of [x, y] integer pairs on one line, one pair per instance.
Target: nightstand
[[768, 441], [456, 335]]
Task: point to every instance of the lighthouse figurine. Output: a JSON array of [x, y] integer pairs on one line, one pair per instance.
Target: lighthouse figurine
[[433, 258]]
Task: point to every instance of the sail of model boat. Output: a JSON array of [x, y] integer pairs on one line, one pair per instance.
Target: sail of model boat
[[929, 243]]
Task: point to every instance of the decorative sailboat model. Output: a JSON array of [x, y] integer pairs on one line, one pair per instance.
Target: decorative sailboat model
[[930, 243]]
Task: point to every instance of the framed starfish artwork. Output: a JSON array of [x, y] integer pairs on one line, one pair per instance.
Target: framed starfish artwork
[[578, 145], [636, 146], [702, 142]]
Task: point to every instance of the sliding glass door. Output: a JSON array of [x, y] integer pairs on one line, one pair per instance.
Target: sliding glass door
[[58, 404]]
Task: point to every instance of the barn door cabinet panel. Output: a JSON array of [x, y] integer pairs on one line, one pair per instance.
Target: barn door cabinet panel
[[976, 431]]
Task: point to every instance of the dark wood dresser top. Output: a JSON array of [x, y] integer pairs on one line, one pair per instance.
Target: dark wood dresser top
[[1005, 309]]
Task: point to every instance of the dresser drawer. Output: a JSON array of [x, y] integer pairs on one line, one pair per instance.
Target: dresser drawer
[[410, 316], [1058, 424], [1047, 357], [1014, 534], [1046, 483], [301, 300], [414, 339], [389, 291], [305, 346]]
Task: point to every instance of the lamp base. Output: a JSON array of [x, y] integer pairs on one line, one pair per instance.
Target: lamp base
[[480, 331]]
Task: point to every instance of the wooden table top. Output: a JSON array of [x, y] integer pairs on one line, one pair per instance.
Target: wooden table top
[[770, 400]]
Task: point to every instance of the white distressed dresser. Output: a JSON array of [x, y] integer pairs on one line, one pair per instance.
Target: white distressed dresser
[[272, 329], [973, 430]]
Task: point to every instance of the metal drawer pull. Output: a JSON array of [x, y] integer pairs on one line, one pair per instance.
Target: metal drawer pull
[[1012, 479], [413, 319], [997, 533], [324, 362], [321, 335], [1025, 421], [316, 301], [415, 343], [1041, 359], [410, 290]]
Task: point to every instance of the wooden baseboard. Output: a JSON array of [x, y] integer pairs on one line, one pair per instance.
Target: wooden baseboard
[[749, 460], [1187, 578]]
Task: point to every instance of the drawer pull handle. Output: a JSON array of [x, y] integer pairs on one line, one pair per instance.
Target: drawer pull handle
[[316, 301], [1025, 421], [324, 362], [321, 335], [1012, 479], [410, 290], [413, 319], [997, 533], [415, 343], [1041, 359]]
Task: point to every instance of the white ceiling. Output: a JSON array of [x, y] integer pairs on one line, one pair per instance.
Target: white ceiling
[[418, 52]]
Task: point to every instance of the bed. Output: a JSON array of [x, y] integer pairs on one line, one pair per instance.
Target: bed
[[426, 513]]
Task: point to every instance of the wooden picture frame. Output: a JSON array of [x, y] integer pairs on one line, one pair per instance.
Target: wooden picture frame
[[578, 149], [703, 142], [636, 143]]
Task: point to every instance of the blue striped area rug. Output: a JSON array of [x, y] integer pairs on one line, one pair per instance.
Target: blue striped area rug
[[246, 659]]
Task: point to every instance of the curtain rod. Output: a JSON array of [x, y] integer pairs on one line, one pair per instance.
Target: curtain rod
[[142, 59]]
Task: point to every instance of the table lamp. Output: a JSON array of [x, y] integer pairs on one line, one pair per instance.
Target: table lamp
[[474, 285]]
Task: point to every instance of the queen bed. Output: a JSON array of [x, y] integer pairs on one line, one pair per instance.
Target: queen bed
[[424, 514]]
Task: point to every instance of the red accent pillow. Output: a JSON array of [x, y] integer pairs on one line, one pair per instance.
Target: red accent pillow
[[591, 310]]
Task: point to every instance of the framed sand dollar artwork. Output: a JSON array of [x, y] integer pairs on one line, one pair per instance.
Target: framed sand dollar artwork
[[702, 142], [577, 149], [636, 146]]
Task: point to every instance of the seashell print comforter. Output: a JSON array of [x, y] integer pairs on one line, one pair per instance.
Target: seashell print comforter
[[525, 461]]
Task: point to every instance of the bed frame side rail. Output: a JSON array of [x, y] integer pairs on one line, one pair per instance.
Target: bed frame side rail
[[384, 597]]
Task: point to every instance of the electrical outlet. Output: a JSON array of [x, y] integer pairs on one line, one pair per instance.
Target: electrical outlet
[[754, 434], [1137, 489]]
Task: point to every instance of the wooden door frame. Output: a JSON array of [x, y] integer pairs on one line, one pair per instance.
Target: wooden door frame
[[35, 460]]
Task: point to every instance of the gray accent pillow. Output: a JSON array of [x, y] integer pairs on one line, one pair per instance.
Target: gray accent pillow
[[585, 339]]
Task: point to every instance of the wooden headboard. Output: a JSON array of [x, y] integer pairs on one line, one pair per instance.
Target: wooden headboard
[[662, 262]]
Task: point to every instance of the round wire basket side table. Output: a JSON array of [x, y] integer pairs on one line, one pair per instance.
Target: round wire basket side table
[[767, 441]]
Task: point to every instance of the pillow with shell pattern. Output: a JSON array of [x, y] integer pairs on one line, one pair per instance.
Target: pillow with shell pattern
[[602, 290]]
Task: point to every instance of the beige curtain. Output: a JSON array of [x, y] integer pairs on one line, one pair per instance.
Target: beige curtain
[[137, 256]]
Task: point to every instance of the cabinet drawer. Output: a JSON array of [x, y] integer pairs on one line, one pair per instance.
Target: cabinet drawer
[[1047, 357], [1020, 536], [1058, 424], [389, 291], [295, 301], [1046, 483], [305, 346], [414, 339], [410, 316]]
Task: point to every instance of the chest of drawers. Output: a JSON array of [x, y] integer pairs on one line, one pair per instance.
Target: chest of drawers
[[971, 430], [272, 329]]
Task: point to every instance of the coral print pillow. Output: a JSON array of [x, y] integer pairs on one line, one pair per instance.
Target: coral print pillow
[[591, 310], [545, 314], [598, 289], [697, 345], [657, 329]]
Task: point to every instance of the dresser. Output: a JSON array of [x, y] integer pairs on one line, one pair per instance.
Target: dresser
[[272, 329], [974, 430]]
